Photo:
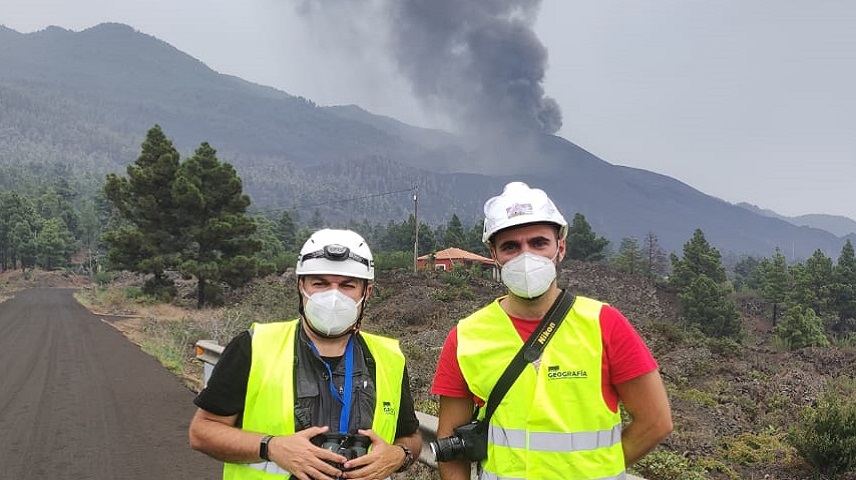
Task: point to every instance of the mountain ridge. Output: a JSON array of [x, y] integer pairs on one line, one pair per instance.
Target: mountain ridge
[[837, 224], [91, 95]]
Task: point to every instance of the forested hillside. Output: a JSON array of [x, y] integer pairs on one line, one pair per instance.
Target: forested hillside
[[77, 105]]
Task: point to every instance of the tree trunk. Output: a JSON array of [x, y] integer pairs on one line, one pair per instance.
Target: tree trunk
[[200, 293]]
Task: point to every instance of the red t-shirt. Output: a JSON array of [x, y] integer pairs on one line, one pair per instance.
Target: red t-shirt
[[625, 357]]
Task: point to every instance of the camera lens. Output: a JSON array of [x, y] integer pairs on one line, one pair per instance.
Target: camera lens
[[445, 449]]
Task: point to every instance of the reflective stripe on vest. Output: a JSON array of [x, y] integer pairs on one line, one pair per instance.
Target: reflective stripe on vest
[[269, 405], [491, 476], [554, 441], [268, 467], [553, 424]]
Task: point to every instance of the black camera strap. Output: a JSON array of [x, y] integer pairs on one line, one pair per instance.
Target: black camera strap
[[531, 350]]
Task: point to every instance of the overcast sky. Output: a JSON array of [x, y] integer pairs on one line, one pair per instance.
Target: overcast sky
[[744, 100]]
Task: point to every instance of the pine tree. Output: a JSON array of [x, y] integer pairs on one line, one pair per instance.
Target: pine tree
[[149, 239], [699, 258], [286, 231], [707, 305], [844, 289], [216, 232], [23, 239], [745, 274], [777, 283], [427, 241], [316, 222], [655, 261], [454, 233], [54, 244], [629, 258], [19, 224], [473, 239], [812, 283], [583, 244]]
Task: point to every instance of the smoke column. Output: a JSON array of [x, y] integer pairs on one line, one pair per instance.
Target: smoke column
[[478, 62]]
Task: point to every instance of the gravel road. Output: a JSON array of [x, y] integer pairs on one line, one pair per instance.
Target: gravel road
[[80, 402]]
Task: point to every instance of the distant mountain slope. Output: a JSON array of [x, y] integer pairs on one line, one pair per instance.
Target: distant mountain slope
[[836, 224], [85, 99]]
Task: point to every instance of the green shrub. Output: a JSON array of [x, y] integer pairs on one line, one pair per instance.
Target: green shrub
[[667, 465], [454, 293], [800, 328], [393, 261], [679, 334], [283, 262], [724, 346], [134, 293], [777, 401], [266, 301], [102, 278], [213, 294], [825, 437], [697, 396], [752, 448], [455, 278], [170, 341], [161, 288], [844, 341]]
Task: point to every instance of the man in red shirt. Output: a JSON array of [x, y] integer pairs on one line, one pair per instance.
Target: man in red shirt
[[569, 396]]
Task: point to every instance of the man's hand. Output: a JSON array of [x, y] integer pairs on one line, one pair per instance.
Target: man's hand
[[297, 454], [381, 462]]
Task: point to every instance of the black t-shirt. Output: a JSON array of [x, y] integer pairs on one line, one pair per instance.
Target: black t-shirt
[[226, 390]]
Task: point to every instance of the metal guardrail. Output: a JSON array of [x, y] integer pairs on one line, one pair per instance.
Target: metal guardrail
[[209, 352]]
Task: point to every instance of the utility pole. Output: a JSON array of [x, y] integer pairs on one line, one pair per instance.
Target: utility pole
[[416, 227]]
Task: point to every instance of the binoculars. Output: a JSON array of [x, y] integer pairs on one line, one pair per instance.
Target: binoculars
[[348, 445]]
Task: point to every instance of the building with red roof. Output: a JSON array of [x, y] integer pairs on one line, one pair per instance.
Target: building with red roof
[[452, 258]]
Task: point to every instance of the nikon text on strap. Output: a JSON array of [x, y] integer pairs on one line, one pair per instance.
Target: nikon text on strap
[[531, 350]]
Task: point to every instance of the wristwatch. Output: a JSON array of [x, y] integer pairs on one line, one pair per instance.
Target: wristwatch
[[263, 448], [408, 459]]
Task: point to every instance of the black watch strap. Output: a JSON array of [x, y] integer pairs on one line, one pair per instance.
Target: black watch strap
[[263, 448], [408, 458]]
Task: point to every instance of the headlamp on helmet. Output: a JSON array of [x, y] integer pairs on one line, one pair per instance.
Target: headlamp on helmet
[[336, 252]]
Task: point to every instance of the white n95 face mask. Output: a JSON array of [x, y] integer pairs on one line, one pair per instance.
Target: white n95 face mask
[[528, 275], [331, 313]]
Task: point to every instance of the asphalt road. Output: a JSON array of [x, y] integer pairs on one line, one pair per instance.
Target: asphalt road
[[80, 402]]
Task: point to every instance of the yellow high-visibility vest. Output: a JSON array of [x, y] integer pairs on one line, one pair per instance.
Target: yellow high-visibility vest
[[553, 423], [269, 406]]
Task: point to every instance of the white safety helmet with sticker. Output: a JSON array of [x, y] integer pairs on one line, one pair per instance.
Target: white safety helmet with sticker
[[336, 252], [518, 205]]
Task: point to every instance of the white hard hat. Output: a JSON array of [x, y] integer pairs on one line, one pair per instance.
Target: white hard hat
[[519, 205], [336, 252]]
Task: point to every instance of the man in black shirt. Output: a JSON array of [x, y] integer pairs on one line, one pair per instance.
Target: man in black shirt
[[312, 398]]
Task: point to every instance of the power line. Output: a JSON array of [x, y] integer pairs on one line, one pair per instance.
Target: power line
[[353, 198], [331, 202]]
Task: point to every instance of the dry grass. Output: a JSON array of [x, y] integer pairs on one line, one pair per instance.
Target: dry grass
[[165, 331]]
